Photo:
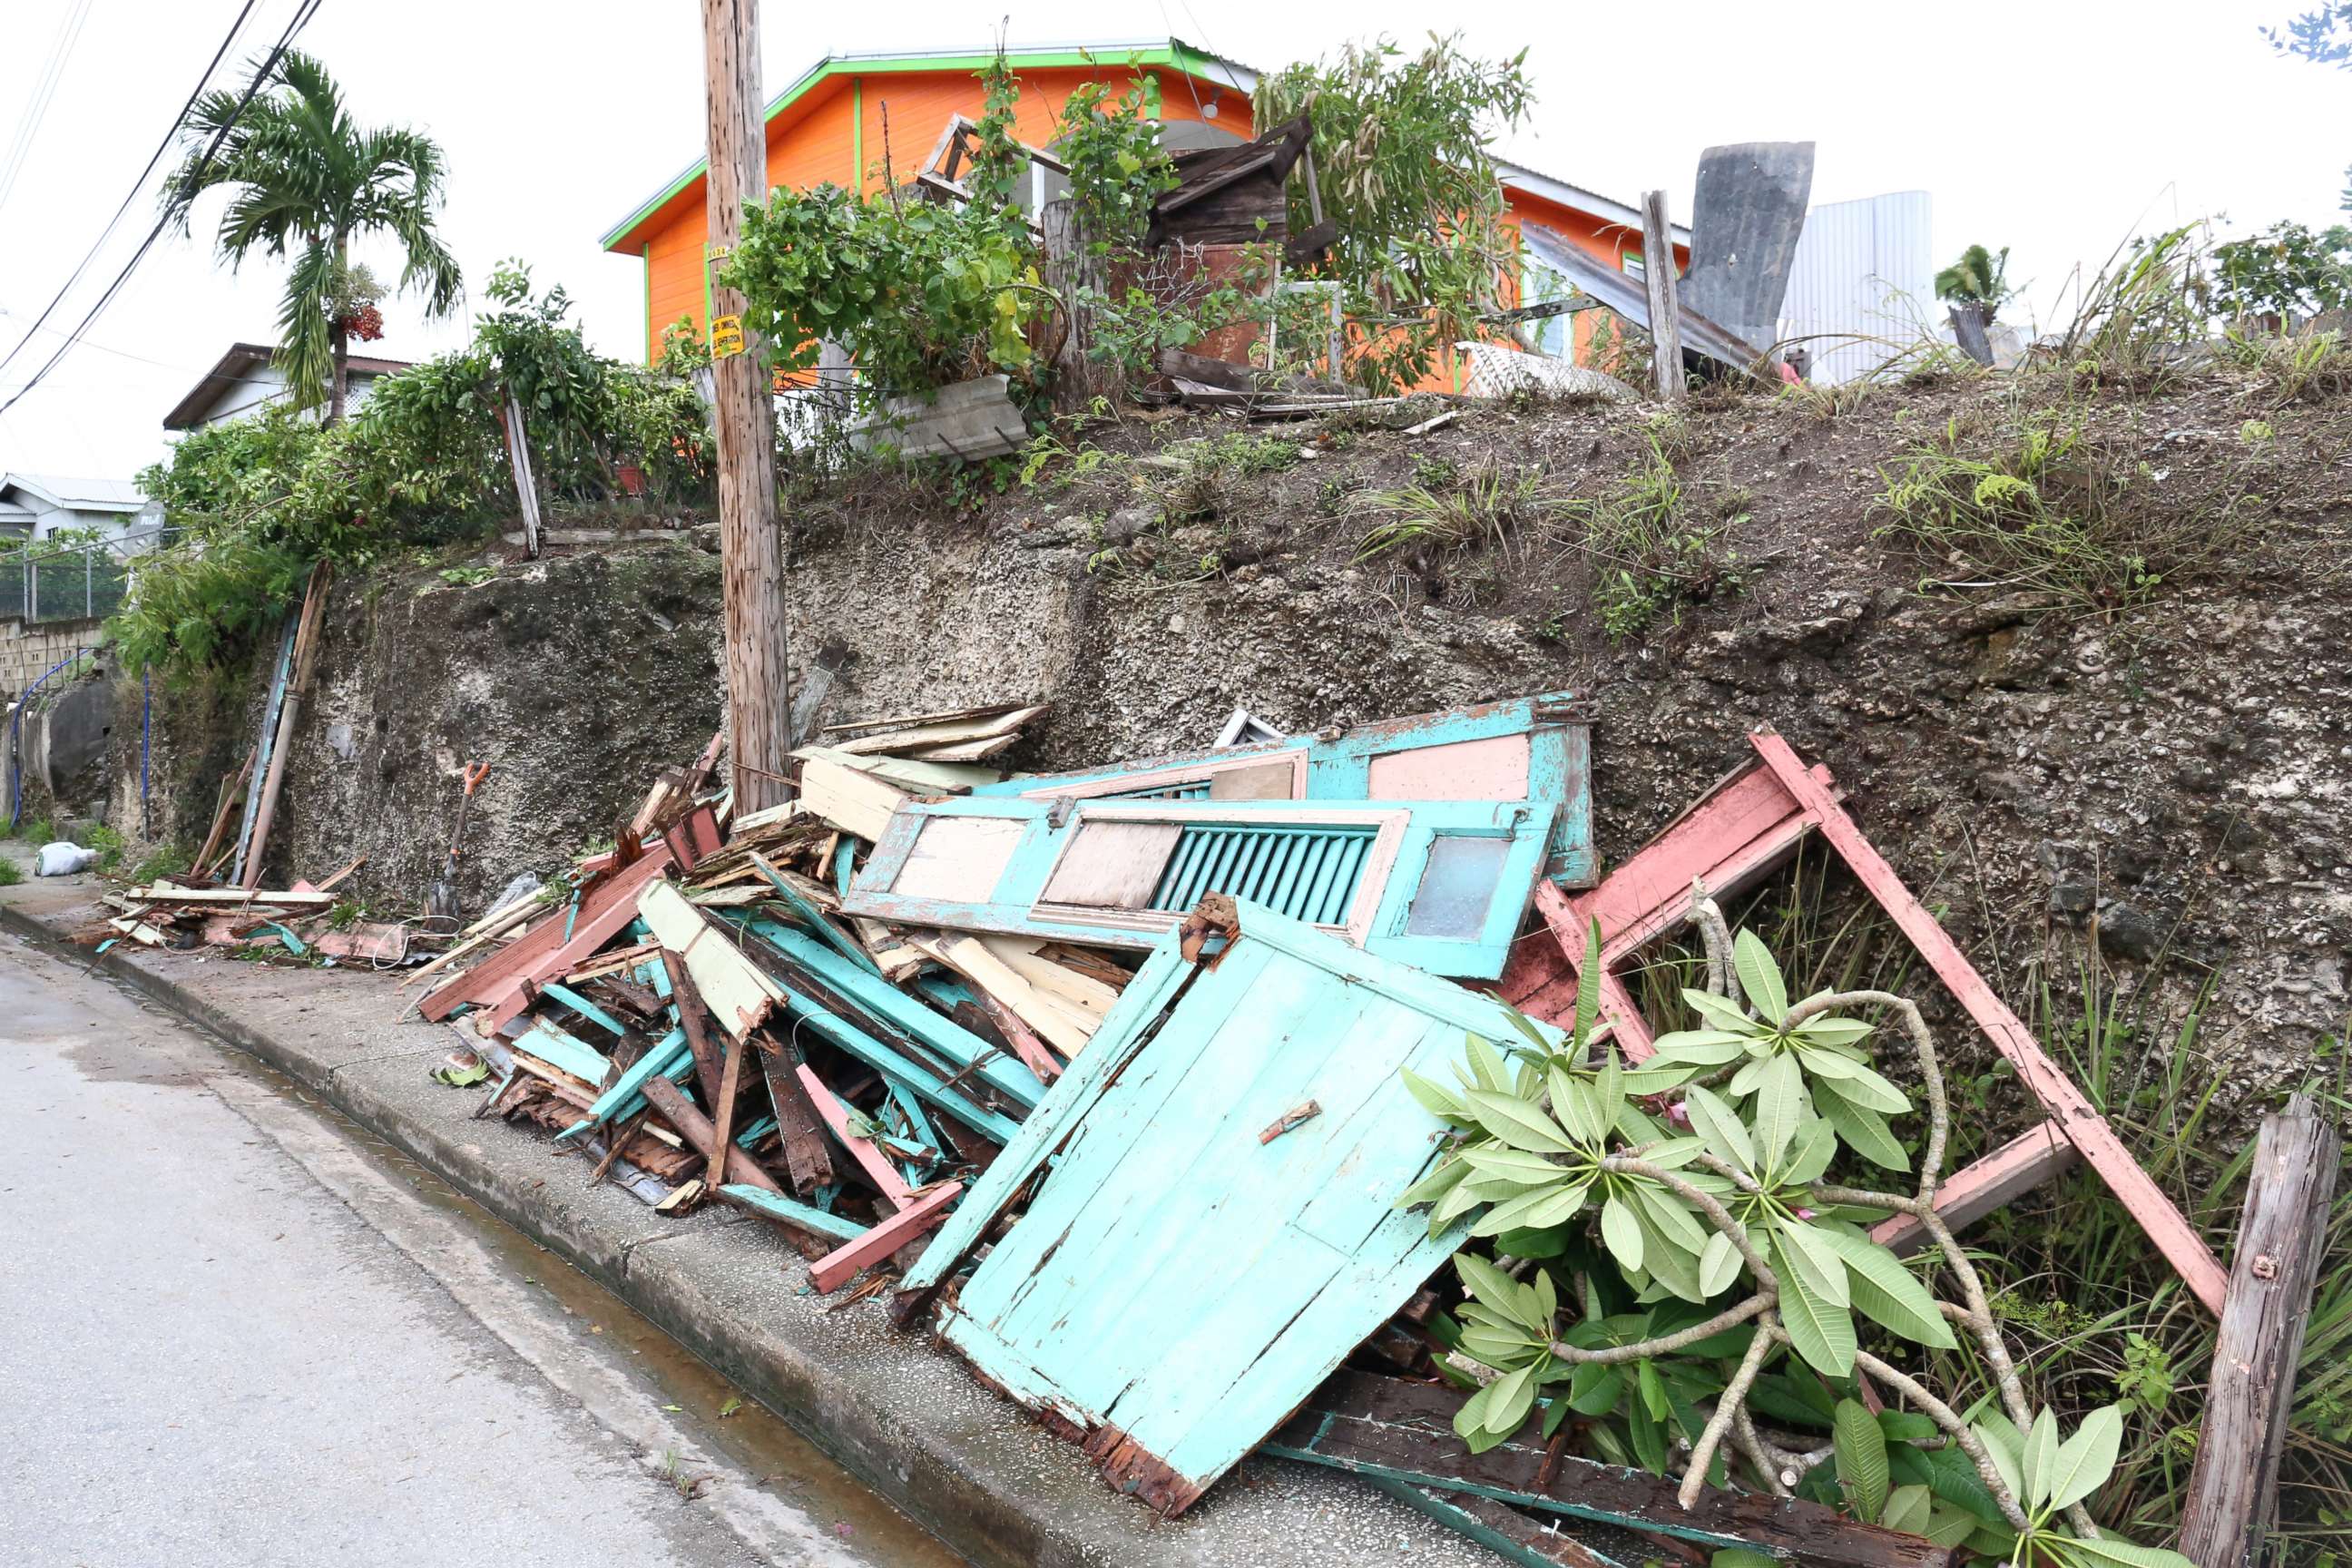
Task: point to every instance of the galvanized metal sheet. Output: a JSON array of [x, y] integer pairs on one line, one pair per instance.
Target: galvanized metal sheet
[[1745, 220]]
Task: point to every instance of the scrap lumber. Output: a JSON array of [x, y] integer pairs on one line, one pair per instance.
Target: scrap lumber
[[922, 738], [232, 793], [737, 992], [798, 1216], [2069, 1108], [1384, 1428], [1060, 1025], [907, 773], [1500, 1529], [556, 946], [848, 799], [703, 1137], [870, 1159], [2232, 1492], [808, 1163], [289, 715], [837, 1268]]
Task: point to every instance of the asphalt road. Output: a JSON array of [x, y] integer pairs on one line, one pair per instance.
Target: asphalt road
[[235, 1332]]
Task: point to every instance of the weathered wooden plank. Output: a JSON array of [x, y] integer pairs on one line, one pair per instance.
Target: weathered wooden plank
[[2076, 1116], [1497, 1527], [815, 919], [837, 1268], [923, 734], [1063, 1027], [905, 773], [585, 1007], [738, 991], [926, 1085], [1385, 1428], [871, 1160], [848, 799], [555, 946], [798, 1127], [2281, 1239], [791, 1212]]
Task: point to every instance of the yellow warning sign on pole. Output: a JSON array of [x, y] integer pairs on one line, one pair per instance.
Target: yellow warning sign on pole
[[725, 336]]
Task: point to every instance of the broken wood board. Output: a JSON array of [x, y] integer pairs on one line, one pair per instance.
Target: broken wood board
[[927, 734], [1061, 1027], [1176, 1287], [862, 1149], [1525, 748], [837, 1268], [498, 985], [848, 799], [737, 992], [1438, 884], [1387, 1429], [2282, 1236], [905, 773]]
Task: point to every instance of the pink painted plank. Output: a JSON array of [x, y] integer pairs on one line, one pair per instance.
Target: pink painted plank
[[531, 957], [2017, 1167], [2083, 1125], [870, 1159], [837, 1268]]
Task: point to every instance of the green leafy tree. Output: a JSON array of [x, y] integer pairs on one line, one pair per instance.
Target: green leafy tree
[[1402, 147], [308, 180], [2287, 270], [2324, 36]]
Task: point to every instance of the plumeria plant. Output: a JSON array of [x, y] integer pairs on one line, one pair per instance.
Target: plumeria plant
[[1679, 1267]]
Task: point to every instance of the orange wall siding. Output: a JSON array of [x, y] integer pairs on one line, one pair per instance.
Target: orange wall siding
[[820, 138]]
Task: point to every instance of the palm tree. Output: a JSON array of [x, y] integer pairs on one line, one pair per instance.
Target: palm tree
[[1976, 287], [308, 180]]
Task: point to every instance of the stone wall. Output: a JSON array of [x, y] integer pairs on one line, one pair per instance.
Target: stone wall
[[28, 650]]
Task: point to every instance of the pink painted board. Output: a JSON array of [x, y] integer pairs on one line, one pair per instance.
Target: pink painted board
[[2017, 1167], [2074, 1115], [837, 1268], [870, 1159], [1495, 768], [528, 956]]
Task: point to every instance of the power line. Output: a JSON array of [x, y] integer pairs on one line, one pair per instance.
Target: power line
[[43, 90], [137, 186], [195, 177]]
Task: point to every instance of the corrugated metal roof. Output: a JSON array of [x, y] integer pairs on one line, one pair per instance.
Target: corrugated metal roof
[[77, 494], [1630, 298]]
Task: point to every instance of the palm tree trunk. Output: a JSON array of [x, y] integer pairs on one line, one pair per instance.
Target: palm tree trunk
[[340, 338]]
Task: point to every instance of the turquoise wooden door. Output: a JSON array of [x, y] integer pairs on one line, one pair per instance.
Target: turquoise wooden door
[[1177, 1287]]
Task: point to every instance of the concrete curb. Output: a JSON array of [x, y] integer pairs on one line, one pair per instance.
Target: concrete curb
[[902, 1415]]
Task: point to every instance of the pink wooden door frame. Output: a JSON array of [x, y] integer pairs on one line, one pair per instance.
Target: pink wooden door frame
[[1738, 831]]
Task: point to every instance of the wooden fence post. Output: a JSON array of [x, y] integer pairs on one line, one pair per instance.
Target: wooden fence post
[[2233, 1490], [1666, 319]]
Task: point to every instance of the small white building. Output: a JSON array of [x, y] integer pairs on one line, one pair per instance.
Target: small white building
[[245, 381], [1862, 288], [36, 506]]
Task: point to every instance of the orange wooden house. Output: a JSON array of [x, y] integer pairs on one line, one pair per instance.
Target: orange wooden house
[[850, 116]]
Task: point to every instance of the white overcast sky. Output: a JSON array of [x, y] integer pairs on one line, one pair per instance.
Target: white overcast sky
[[2058, 128]]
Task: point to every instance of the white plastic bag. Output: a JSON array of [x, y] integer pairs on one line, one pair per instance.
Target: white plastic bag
[[63, 859]]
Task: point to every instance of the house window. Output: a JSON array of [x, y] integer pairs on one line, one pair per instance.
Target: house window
[[1540, 285]]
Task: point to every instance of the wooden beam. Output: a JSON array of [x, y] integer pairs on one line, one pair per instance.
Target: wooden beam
[[1974, 1191], [870, 1159], [1497, 1527], [2074, 1115], [556, 946], [837, 1268], [798, 1127], [1658, 274], [722, 1134], [2232, 1492], [1387, 1429], [750, 540]]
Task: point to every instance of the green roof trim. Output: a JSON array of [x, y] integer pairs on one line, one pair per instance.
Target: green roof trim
[[1170, 52]]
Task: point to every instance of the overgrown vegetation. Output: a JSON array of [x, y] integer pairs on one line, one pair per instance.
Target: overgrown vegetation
[[423, 461], [1402, 155], [1657, 541], [2043, 507], [1706, 1281]]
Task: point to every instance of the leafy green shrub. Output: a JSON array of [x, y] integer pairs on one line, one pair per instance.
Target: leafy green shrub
[[1672, 1281], [1659, 541], [11, 873]]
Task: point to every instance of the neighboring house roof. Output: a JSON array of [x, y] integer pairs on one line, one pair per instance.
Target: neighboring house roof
[[241, 361], [1171, 52], [77, 495]]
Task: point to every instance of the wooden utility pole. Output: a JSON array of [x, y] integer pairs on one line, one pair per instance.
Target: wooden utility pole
[[2233, 1490], [750, 540], [1666, 317]]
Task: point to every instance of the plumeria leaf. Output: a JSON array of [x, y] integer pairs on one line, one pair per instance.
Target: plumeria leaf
[[1720, 1011], [1666, 1214], [1623, 1234], [1519, 1123], [1725, 1133], [2007, 1447], [1485, 1282], [2087, 1458], [1860, 1448], [1587, 985], [2040, 1460], [1435, 1097], [2107, 1551], [1885, 1291], [1435, 1185], [1816, 1144], [1745, 1081], [1821, 1332], [1826, 1030], [1538, 1209], [1864, 1131], [1718, 1264], [1759, 977], [1696, 1047], [1908, 1510], [1805, 1251], [1513, 1396], [1487, 1066], [1594, 1388], [1866, 1089], [1779, 1101]]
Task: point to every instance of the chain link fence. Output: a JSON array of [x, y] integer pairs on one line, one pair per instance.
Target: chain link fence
[[43, 582]]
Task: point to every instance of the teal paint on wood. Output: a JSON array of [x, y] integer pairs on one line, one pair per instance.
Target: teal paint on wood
[[917, 1079], [891, 1009], [809, 915], [777, 1207], [1338, 766], [671, 1058], [1360, 865], [1173, 1278], [585, 1007], [573, 1054]]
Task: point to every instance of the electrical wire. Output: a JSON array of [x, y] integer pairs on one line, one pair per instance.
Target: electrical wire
[[137, 186], [204, 162], [43, 90]]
